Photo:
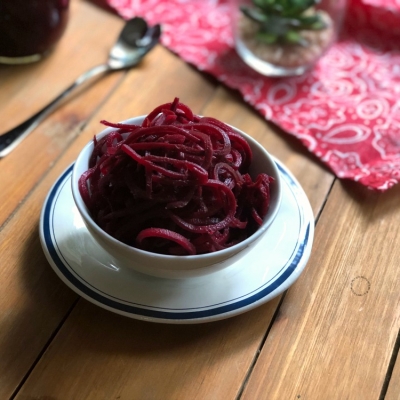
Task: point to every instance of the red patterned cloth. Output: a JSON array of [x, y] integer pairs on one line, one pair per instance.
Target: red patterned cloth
[[346, 110]]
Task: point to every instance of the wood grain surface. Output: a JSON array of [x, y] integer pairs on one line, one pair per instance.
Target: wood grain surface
[[215, 367], [25, 89], [333, 335], [336, 329]]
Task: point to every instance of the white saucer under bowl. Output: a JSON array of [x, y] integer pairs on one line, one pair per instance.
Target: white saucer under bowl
[[265, 272]]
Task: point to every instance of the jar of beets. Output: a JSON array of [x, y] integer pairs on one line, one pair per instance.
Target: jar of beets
[[30, 29]]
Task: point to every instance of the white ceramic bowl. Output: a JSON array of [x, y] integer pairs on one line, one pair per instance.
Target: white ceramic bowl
[[167, 266]]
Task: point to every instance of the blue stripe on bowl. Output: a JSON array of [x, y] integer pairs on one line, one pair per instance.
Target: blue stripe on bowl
[[289, 268]]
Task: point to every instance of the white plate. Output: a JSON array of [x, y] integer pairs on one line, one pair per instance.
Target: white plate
[[275, 263]]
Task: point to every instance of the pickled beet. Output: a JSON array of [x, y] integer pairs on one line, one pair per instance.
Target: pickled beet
[[176, 184]]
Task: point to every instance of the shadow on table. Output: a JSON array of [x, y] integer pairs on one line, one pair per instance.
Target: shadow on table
[[153, 360], [37, 302], [62, 351], [373, 203]]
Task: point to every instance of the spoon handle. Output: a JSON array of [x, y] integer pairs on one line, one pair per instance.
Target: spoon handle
[[10, 140]]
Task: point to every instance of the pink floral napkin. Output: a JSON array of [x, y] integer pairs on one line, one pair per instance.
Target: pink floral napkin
[[346, 110]]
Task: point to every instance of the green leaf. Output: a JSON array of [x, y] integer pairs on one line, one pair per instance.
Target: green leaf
[[279, 25], [313, 22], [275, 25], [254, 14], [294, 37], [263, 4], [267, 38], [292, 22], [268, 7], [318, 26], [309, 19], [281, 20], [297, 7]]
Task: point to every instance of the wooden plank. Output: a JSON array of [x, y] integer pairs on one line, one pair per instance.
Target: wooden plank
[[33, 300], [393, 391], [146, 361], [151, 361], [335, 331], [26, 89]]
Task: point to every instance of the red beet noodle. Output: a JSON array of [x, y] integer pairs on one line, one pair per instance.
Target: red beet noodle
[[176, 184]]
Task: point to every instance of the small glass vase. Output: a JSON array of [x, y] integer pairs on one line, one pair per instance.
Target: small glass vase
[[275, 56]]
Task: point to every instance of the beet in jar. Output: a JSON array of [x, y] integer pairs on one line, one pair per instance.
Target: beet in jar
[[29, 29]]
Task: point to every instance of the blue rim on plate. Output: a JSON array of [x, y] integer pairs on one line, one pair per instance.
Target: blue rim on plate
[[281, 280]]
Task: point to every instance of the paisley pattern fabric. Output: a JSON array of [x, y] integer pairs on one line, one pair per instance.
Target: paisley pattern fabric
[[346, 110]]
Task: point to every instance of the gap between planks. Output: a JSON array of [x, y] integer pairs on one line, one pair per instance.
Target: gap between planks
[[392, 362]]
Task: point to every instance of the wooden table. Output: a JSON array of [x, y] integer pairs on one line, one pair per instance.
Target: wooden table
[[333, 335]]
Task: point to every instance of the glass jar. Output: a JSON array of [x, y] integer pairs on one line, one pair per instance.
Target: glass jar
[[277, 39], [29, 29]]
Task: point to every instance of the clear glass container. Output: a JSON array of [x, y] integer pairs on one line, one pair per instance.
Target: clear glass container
[[29, 29], [275, 44]]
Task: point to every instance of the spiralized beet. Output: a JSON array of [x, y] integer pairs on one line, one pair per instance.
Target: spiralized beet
[[176, 184]]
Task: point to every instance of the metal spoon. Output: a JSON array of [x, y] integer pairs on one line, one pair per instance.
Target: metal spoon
[[134, 42]]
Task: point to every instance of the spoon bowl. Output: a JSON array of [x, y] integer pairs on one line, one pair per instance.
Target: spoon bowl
[[134, 42]]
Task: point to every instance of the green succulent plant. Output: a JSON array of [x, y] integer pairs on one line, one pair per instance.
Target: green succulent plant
[[281, 21]]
